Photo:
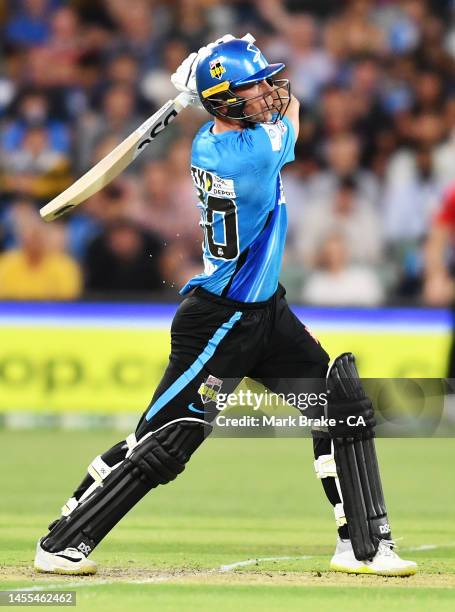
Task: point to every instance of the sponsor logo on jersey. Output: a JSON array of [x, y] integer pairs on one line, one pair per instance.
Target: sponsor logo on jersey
[[217, 69], [212, 184], [209, 389]]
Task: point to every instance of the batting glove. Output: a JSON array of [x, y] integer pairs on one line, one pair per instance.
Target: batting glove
[[184, 78]]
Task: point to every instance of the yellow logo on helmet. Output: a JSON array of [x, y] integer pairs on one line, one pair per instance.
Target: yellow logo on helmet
[[215, 89], [217, 69]]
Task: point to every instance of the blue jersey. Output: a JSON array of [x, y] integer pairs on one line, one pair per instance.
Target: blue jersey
[[243, 211]]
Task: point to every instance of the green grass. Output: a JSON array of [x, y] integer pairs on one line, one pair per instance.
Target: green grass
[[237, 500]]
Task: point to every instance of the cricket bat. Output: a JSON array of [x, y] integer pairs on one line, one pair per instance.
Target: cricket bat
[[117, 160]]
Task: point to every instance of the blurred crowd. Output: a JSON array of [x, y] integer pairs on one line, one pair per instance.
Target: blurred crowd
[[375, 157]]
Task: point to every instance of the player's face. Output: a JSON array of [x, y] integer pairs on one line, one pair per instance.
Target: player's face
[[261, 102]]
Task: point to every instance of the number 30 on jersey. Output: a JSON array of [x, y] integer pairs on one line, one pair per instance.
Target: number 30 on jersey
[[218, 212]]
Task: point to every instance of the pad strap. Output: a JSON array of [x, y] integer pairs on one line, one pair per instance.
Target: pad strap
[[340, 515], [131, 442], [99, 469], [326, 467], [69, 506]]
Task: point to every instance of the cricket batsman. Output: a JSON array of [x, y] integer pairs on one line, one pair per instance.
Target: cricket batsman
[[235, 322]]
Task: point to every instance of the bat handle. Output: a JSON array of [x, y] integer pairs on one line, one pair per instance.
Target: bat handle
[[183, 100]]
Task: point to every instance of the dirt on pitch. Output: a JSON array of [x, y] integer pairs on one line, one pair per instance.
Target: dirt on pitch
[[107, 576]]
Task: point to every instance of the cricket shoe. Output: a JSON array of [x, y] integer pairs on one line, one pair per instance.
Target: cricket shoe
[[68, 561], [386, 562]]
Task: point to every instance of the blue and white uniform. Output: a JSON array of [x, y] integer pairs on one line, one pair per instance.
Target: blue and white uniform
[[243, 210]]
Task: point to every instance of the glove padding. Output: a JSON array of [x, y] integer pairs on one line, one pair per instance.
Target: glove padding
[[184, 78]]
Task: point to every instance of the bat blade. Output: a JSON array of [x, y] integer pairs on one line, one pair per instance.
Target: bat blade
[[117, 160]]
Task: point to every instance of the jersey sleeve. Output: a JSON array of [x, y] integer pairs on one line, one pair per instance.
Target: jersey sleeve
[[271, 146], [446, 214]]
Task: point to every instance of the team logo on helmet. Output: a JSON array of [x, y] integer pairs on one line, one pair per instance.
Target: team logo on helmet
[[217, 69]]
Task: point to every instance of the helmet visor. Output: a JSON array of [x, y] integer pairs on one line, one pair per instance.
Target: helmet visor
[[263, 74]]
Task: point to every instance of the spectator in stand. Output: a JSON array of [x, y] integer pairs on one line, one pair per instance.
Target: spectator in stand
[[156, 85], [118, 118], [122, 69], [64, 48], [411, 196], [353, 31], [439, 285], [31, 109], [428, 92], [10, 77], [432, 52], [190, 22], [370, 121], [17, 214], [341, 156], [349, 214], [338, 282], [169, 205], [29, 24], [137, 32], [124, 259], [39, 269], [402, 24], [35, 169], [309, 65], [336, 113]]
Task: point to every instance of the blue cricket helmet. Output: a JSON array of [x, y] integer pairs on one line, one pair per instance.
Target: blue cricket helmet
[[235, 64]]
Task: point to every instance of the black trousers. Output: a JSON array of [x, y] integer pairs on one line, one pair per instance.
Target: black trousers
[[215, 342]]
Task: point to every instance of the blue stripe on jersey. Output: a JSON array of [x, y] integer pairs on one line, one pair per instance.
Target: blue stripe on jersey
[[194, 369], [257, 279]]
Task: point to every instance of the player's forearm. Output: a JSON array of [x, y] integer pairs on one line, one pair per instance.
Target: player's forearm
[[292, 112]]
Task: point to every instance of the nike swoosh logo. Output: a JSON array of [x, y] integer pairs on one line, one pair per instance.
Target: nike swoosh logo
[[72, 559], [193, 409]]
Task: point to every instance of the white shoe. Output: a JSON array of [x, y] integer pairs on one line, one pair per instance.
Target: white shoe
[[68, 561], [386, 562]]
